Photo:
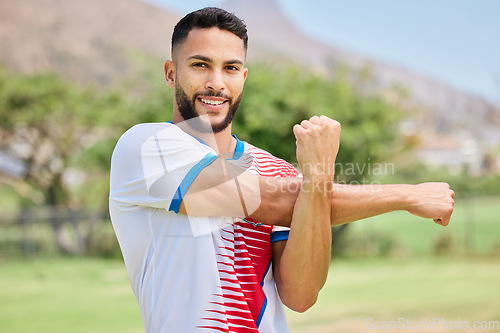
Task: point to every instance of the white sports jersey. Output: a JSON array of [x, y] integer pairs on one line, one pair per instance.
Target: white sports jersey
[[189, 274]]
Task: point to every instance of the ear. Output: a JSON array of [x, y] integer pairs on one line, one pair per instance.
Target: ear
[[245, 73], [170, 73]]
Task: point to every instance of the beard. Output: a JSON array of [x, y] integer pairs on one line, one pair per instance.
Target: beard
[[187, 110]]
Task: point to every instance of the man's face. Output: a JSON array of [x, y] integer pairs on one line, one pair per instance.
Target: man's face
[[209, 77]]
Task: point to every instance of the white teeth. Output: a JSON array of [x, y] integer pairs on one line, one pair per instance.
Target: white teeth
[[206, 101]]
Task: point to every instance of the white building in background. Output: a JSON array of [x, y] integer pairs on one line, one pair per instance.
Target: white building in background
[[462, 153]]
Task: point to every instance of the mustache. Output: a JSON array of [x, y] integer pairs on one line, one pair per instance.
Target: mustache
[[210, 93]]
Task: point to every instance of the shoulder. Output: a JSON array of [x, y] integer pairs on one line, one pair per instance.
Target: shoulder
[[154, 133], [147, 130], [138, 132]]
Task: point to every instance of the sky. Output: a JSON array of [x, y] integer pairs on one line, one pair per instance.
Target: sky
[[455, 41]]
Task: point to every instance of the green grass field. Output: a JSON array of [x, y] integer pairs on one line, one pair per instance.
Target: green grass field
[[389, 289], [67, 295], [389, 273], [93, 295]]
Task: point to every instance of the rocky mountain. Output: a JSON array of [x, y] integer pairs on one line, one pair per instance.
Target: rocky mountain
[[100, 41], [84, 40]]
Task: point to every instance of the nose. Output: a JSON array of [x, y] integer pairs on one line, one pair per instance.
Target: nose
[[215, 81]]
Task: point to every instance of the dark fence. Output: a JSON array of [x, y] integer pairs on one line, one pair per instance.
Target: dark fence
[[51, 231]]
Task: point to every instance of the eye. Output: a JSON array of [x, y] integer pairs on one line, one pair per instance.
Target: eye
[[199, 65], [232, 68]]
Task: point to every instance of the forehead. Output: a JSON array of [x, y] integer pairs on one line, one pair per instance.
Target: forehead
[[213, 43]]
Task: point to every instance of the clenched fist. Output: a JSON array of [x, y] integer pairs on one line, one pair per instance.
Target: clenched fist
[[317, 147], [432, 200]]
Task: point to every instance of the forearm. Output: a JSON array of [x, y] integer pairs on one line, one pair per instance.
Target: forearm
[[355, 202], [427, 200], [271, 200], [304, 263], [348, 202]]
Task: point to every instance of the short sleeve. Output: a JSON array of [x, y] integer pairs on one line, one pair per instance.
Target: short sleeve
[[279, 233], [154, 165], [288, 170]]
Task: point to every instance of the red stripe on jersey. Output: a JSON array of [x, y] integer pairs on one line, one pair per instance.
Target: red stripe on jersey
[[243, 258]]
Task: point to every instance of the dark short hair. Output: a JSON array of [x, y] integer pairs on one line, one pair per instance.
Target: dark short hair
[[209, 17]]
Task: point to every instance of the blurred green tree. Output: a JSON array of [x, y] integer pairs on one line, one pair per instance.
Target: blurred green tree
[[60, 133], [277, 98]]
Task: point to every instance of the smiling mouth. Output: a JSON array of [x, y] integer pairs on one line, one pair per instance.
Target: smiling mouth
[[212, 101]]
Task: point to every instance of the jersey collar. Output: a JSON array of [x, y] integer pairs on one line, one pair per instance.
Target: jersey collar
[[238, 150]]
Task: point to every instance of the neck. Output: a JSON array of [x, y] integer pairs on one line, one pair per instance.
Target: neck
[[223, 142]]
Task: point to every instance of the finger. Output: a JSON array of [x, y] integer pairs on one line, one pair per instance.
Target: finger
[[444, 221], [298, 131], [331, 123], [315, 120], [307, 124]]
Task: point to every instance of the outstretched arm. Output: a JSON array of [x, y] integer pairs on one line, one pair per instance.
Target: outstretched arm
[[271, 200], [428, 200]]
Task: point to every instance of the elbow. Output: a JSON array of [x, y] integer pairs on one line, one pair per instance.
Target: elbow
[[271, 212], [299, 297], [301, 303]]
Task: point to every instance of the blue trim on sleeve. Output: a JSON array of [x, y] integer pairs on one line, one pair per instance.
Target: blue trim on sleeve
[[188, 180], [279, 235]]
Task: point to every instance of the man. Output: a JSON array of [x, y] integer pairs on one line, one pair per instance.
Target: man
[[200, 215]]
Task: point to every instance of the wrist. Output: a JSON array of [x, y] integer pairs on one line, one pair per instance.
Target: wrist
[[317, 184], [405, 200]]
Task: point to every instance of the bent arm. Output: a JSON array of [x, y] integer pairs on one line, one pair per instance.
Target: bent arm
[[300, 265]]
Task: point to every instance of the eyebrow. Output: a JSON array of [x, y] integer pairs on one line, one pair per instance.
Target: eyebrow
[[207, 59]]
